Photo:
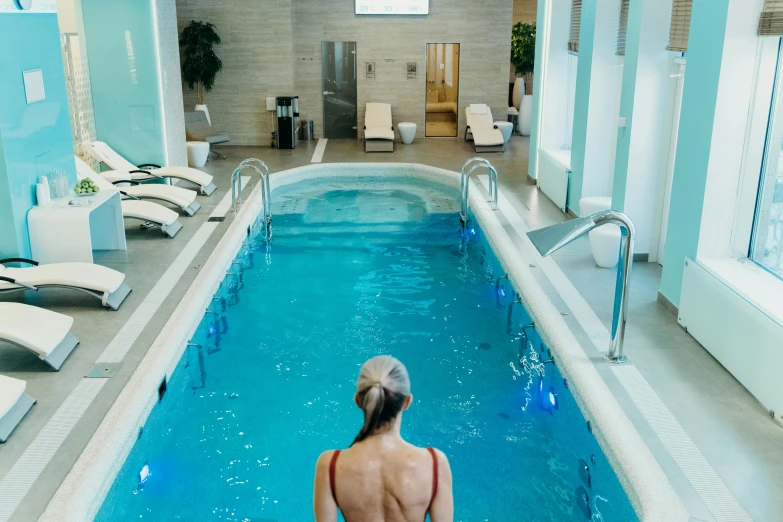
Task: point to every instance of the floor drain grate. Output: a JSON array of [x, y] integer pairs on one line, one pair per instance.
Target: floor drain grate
[[105, 370], [216, 219]]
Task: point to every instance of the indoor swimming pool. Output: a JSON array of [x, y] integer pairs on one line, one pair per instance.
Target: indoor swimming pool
[[356, 268]]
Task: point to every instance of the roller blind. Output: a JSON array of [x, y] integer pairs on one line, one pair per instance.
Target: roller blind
[[771, 22], [623, 31], [680, 25], [576, 20]]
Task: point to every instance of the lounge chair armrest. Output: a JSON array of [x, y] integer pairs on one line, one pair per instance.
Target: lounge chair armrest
[[15, 282], [130, 181], [149, 165], [18, 260], [147, 172]]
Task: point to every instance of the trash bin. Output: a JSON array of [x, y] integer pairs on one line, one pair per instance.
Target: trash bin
[[306, 132]]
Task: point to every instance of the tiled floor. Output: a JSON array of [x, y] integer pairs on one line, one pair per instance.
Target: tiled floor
[[736, 436]]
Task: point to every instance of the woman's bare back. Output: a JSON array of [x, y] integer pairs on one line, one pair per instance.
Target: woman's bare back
[[385, 479]]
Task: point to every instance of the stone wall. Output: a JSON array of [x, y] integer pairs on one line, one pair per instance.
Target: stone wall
[[172, 85], [273, 47]]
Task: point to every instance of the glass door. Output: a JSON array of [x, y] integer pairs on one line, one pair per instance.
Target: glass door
[[338, 65], [442, 108]]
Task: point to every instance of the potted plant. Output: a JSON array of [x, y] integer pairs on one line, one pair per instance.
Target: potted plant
[[200, 64], [523, 57]]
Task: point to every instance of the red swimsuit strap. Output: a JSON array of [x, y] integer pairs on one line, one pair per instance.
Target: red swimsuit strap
[[332, 466], [434, 475]]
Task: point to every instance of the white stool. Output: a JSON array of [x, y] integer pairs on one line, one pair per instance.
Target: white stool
[[198, 152], [407, 132], [605, 240], [506, 128]]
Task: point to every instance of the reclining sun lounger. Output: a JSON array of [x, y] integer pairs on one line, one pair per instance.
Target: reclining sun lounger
[[14, 405], [100, 281], [148, 171], [178, 196], [45, 333], [486, 137], [378, 128], [197, 128], [151, 214]]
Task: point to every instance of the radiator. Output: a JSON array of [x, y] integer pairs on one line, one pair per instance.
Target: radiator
[[554, 174], [747, 342]]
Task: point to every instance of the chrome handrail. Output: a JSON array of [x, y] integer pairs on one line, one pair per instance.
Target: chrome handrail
[[463, 182], [465, 186], [267, 193]]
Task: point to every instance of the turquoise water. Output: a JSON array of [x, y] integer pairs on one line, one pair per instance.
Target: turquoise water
[[351, 274]]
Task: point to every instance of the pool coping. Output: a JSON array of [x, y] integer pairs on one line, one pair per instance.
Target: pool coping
[[84, 489]]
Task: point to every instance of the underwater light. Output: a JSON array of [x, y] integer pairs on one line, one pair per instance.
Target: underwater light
[[473, 231], [502, 292], [144, 474], [552, 398]]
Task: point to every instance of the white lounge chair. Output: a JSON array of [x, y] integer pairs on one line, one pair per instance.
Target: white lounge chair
[[177, 196], [378, 128], [14, 404], [100, 281], [149, 171], [151, 214], [46, 334], [486, 137]]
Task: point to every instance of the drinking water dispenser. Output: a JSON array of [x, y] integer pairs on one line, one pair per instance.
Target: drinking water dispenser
[[287, 121]]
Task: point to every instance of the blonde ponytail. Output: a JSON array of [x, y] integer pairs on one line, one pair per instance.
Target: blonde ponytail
[[381, 390]]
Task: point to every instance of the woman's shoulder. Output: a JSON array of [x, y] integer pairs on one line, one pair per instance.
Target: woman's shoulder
[[325, 459]]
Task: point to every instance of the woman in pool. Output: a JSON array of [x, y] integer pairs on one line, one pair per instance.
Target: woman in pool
[[382, 478]]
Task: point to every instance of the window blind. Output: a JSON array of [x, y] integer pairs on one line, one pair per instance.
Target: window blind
[[771, 22], [623, 30], [680, 25], [576, 20]]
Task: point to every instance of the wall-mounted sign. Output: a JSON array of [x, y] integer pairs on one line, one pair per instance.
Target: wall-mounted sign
[[411, 70], [392, 7], [28, 6], [370, 69]]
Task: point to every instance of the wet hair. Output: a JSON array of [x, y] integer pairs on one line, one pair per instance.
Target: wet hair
[[381, 390]]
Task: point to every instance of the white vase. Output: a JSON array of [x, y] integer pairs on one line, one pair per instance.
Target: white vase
[[525, 114], [203, 108], [519, 92]]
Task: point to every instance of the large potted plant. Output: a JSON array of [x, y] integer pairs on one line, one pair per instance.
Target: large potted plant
[[200, 64], [523, 57]]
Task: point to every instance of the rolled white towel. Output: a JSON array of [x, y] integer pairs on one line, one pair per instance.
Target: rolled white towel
[[479, 108]]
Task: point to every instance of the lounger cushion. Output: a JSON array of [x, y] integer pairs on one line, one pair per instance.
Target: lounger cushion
[[10, 391], [148, 211], [102, 152], [379, 133], [378, 122], [38, 330], [80, 275], [482, 126]]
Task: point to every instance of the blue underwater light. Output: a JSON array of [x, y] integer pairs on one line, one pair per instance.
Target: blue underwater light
[[547, 398], [502, 292], [144, 474]]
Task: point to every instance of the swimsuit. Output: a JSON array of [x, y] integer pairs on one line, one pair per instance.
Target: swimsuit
[[333, 466]]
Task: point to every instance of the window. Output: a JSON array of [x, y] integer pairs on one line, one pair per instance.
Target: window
[[766, 246]]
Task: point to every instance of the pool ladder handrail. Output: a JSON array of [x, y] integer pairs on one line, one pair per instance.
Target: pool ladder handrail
[[267, 192], [477, 163], [236, 189]]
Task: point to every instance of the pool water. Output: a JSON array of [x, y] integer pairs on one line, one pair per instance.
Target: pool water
[[350, 274]]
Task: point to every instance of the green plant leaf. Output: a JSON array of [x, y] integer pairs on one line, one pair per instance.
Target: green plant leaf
[[200, 64], [523, 48]]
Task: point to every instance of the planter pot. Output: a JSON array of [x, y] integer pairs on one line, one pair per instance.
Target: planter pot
[[203, 108], [525, 114], [519, 92]]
